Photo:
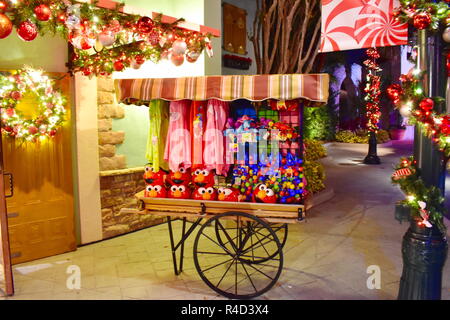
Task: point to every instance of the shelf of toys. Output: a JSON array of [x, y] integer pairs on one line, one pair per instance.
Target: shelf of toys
[[210, 147]]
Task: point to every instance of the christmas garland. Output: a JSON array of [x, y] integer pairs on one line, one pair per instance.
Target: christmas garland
[[409, 96], [97, 33], [51, 105], [423, 14], [372, 90], [425, 203]]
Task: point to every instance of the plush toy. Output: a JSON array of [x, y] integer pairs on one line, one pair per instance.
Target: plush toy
[[203, 178], [228, 194], [180, 177], [264, 194], [205, 194], [153, 177], [179, 192], [155, 191]]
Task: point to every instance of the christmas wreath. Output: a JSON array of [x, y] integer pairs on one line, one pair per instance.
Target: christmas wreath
[[51, 111]]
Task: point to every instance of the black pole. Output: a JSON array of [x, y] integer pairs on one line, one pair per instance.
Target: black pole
[[372, 157], [424, 250]]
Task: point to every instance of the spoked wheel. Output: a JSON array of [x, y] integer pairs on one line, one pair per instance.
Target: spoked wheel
[[228, 267], [257, 233]]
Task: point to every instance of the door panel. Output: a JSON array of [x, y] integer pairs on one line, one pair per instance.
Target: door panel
[[41, 215]]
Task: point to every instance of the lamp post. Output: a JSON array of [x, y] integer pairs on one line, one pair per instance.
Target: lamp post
[[373, 104], [424, 250]]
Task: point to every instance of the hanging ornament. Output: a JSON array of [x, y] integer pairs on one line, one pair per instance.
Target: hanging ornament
[[118, 66], [422, 20], [192, 56], [145, 25], [394, 91], [42, 12], [177, 59], [107, 38], [446, 34], [3, 6], [426, 104], [137, 62], [179, 47], [61, 17], [5, 26], [27, 31], [73, 22], [154, 38]]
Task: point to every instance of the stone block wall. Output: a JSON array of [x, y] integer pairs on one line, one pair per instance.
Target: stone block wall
[[108, 109], [119, 206], [118, 185]]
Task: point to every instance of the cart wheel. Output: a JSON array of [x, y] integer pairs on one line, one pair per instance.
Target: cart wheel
[[259, 232], [228, 267]]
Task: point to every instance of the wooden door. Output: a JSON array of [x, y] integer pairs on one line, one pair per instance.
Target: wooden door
[[6, 280], [41, 212]]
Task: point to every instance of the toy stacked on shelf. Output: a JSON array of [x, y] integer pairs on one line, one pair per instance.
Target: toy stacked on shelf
[[276, 179]]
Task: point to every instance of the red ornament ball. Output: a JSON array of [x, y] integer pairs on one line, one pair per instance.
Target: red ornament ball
[[177, 60], [445, 126], [32, 130], [139, 59], [27, 31], [5, 26], [86, 71], [145, 25], [422, 20], [42, 12], [426, 104], [3, 6], [118, 65], [16, 95]]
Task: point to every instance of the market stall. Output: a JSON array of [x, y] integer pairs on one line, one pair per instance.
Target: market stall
[[226, 153]]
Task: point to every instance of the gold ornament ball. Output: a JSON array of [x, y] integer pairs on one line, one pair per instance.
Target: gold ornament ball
[[5, 26], [446, 35]]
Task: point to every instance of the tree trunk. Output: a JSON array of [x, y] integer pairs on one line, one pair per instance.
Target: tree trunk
[[286, 35]]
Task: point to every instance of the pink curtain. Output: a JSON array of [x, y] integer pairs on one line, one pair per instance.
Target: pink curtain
[[178, 143], [214, 153]]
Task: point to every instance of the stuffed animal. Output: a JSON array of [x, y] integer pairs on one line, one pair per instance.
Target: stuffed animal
[[153, 177], [179, 192], [180, 177], [264, 194], [228, 194], [155, 191], [205, 194], [203, 178]]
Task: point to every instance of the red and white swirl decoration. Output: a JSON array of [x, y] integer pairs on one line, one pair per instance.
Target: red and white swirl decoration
[[356, 24]]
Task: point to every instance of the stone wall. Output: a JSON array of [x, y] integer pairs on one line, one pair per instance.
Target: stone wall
[[108, 109], [119, 206], [118, 185]]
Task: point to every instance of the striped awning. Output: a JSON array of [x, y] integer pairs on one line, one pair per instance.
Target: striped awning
[[313, 87]]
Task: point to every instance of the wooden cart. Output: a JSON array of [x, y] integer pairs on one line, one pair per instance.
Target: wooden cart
[[238, 249]]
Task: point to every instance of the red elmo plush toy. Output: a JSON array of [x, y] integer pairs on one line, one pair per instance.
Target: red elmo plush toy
[[203, 178], [205, 194], [153, 177], [179, 192], [263, 194], [180, 177], [155, 191], [228, 194]]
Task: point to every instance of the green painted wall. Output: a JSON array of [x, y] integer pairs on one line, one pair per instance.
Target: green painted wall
[[136, 126]]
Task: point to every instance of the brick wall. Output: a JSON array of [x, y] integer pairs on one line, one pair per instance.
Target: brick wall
[[118, 185]]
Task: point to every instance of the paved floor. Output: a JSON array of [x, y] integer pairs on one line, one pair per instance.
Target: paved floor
[[325, 258]]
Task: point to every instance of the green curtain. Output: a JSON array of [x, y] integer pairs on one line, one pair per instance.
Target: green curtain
[[157, 134]]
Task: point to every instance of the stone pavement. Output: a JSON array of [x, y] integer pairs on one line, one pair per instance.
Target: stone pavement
[[325, 258]]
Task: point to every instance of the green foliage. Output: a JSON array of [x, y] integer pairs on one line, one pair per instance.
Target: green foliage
[[416, 191], [314, 150], [360, 136], [313, 170], [315, 176], [319, 123]]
